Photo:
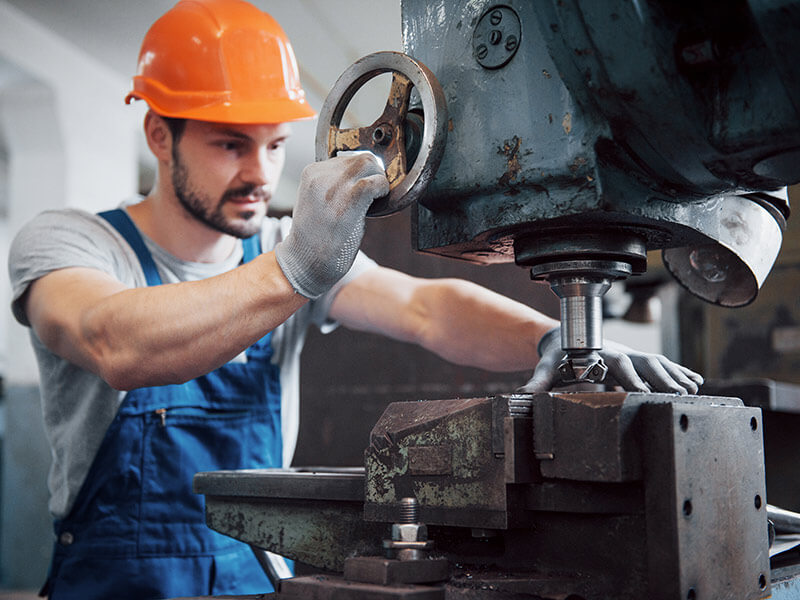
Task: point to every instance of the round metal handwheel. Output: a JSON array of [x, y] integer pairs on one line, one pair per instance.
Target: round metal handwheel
[[386, 137]]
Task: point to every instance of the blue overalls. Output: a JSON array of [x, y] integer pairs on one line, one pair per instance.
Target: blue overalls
[[137, 530]]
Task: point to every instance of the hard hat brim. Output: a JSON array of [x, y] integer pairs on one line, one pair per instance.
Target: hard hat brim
[[280, 110]]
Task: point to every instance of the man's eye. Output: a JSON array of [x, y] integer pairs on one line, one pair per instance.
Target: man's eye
[[232, 146]]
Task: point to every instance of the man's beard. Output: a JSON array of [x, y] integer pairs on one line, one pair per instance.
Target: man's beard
[[198, 205]]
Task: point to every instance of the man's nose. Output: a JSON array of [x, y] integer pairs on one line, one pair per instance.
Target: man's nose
[[258, 169]]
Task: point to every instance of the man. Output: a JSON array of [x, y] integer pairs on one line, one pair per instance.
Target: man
[[168, 332]]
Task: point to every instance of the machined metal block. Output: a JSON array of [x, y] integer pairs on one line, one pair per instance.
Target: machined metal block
[[705, 500]]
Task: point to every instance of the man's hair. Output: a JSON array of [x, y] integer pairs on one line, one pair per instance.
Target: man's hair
[[176, 127]]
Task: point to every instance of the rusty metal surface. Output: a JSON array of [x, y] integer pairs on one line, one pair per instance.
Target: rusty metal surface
[[319, 533], [635, 495], [593, 137], [595, 479], [386, 136], [315, 518], [458, 469]]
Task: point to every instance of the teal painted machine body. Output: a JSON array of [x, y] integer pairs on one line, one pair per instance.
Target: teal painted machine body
[[633, 117]]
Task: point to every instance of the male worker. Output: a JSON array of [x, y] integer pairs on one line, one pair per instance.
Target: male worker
[[168, 332]]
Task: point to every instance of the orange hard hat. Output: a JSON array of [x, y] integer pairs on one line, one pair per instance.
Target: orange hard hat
[[219, 60]]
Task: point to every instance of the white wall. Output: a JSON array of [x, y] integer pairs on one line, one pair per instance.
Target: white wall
[[68, 140]]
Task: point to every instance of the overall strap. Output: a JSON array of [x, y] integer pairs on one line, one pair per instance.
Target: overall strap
[[251, 247], [120, 220]]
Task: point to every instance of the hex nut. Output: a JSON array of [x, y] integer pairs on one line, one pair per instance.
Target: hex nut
[[409, 532]]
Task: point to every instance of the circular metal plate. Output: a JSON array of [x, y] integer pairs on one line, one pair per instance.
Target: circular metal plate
[[496, 37]]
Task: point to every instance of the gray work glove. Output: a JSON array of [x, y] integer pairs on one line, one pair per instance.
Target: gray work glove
[[628, 368], [328, 221]]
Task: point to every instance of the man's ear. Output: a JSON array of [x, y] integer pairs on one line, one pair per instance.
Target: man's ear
[[159, 138]]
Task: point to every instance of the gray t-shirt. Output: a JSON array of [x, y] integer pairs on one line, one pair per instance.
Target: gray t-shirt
[[78, 406]]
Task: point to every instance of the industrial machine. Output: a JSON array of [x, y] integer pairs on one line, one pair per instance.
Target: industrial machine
[[571, 137]]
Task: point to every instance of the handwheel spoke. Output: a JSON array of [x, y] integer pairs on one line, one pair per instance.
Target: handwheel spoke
[[399, 96], [395, 161], [347, 139], [393, 118]]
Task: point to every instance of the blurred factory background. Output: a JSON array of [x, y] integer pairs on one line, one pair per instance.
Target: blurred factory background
[[67, 139]]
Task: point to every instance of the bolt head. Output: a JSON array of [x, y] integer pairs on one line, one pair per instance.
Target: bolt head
[[382, 135]]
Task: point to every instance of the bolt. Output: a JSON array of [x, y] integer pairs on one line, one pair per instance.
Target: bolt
[[481, 51], [496, 17], [409, 510], [511, 43], [382, 134], [495, 37], [66, 538]]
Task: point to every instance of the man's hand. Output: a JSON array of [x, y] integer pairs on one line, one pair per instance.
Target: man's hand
[[328, 221], [628, 368]]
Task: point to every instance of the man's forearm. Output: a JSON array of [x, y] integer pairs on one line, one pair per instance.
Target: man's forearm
[[458, 320], [162, 334], [474, 326]]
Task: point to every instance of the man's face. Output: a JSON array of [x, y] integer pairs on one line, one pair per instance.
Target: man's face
[[224, 175]]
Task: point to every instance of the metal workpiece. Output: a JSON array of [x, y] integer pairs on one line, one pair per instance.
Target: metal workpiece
[[410, 163]]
